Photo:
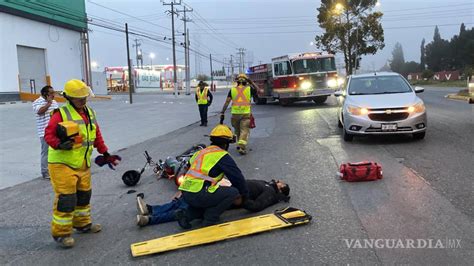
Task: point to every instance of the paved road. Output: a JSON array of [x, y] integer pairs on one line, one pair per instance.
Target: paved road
[[300, 144]]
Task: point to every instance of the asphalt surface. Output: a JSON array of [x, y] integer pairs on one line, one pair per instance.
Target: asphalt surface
[[426, 192]]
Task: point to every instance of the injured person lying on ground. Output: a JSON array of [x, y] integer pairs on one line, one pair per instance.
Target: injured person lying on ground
[[262, 194]]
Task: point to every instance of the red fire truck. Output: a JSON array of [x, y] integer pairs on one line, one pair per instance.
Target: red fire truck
[[295, 77]]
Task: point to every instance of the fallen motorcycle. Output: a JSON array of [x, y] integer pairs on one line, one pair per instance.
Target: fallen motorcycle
[[171, 168]]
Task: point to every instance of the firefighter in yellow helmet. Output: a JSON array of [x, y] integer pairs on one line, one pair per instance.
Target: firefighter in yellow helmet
[[200, 188], [72, 133], [240, 95]]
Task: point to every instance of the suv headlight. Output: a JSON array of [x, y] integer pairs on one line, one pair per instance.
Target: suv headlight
[[417, 108], [355, 110]]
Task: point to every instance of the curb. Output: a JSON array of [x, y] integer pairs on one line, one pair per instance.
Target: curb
[[459, 97], [15, 102]]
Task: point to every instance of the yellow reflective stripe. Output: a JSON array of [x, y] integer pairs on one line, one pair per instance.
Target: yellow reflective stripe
[[68, 114], [62, 220], [82, 212], [242, 142], [87, 143]]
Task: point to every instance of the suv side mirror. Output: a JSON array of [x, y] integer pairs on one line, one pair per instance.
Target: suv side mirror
[[419, 89], [338, 93]]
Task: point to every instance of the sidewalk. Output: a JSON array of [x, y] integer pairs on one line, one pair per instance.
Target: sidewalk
[[122, 125]]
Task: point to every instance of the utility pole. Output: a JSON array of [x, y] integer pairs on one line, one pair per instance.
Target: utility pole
[[172, 12], [138, 54], [212, 78], [130, 69], [241, 60], [186, 48], [231, 67]]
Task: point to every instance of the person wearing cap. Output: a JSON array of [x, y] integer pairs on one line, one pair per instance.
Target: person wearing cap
[[69, 162], [200, 187], [240, 96], [204, 100]]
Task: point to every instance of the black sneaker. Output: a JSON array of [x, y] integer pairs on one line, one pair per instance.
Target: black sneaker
[[182, 219]]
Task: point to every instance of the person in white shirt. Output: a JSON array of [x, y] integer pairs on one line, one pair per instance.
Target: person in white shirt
[[43, 106]]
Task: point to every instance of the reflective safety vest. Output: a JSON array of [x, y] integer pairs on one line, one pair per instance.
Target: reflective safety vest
[[202, 96], [75, 157], [240, 100], [201, 163]]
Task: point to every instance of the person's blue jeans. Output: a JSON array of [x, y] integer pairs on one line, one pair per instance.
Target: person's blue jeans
[[165, 213]]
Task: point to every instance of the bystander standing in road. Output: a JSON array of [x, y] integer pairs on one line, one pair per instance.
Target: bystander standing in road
[[204, 100], [43, 106]]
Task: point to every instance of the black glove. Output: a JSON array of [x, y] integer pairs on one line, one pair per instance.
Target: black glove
[[67, 145], [222, 118], [209, 103]]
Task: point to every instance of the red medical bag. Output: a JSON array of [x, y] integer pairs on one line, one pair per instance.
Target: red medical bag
[[361, 171]]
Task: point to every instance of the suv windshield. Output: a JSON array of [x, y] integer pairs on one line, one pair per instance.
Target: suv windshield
[[314, 65], [378, 85]]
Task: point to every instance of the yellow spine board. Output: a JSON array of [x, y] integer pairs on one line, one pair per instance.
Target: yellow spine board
[[219, 232]]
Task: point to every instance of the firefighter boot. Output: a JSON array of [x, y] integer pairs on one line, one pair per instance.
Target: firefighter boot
[[242, 149], [182, 219], [90, 228], [64, 241]]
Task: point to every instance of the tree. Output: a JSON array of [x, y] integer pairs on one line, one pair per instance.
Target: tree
[[411, 67], [422, 55], [202, 77], [398, 60], [438, 53], [350, 28], [462, 48]]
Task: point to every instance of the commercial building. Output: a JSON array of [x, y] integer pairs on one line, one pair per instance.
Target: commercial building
[[42, 42]]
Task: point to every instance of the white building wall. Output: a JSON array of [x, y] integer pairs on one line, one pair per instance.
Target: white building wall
[[63, 50]]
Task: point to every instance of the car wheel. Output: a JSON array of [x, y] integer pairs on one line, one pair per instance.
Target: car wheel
[[347, 136], [320, 99], [419, 135]]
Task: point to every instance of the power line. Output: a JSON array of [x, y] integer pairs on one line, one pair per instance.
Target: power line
[[114, 10], [292, 32]]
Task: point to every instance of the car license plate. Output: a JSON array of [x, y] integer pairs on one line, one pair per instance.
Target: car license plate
[[389, 127]]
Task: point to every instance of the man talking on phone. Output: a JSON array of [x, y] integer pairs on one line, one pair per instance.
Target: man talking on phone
[[43, 106]]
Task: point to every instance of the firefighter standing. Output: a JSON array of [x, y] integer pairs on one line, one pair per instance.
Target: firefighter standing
[[240, 96], [69, 164], [204, 100], [201, 189]]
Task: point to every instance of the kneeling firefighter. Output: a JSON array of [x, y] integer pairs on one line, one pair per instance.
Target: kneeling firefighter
[[72, 133], [200, 188]]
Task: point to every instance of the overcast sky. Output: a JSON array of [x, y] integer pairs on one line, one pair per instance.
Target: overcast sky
[[264, 28]]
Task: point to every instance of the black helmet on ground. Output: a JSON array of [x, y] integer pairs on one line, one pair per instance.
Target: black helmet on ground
[[131, 178]]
